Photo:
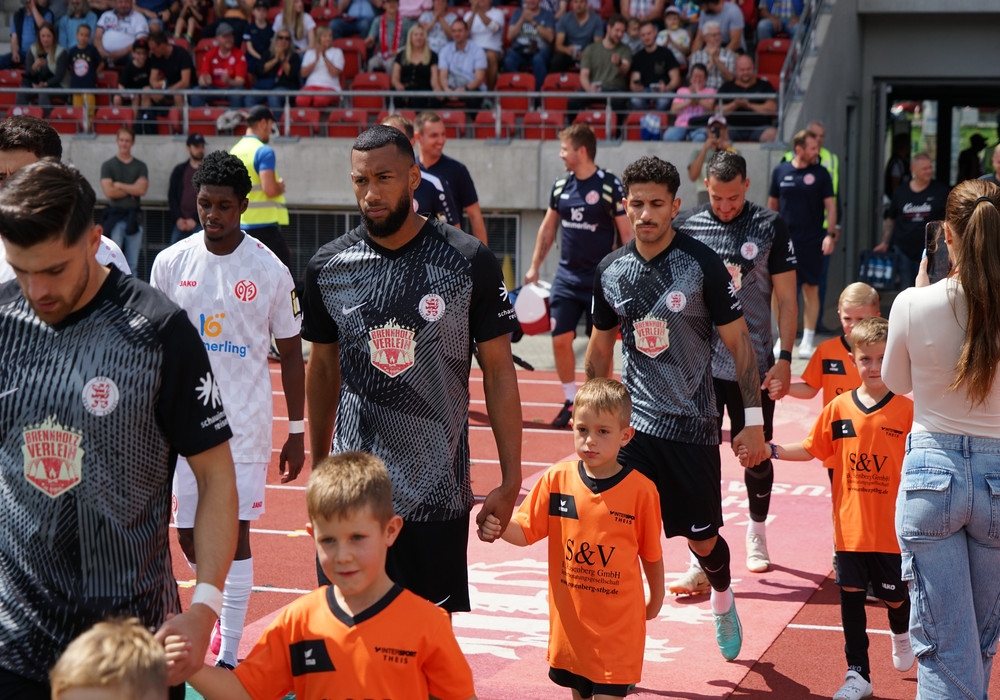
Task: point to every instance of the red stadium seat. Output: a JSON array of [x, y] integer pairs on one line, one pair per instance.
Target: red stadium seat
[[598, 120], [486, 122], [304, 122], [323, 15], [454, 122], [542, 125], [107, 79], [370, 81], [27, 111], [515, 82], [67, 119], [108, 120], [355, 56], [201, 120], [771, 55], [200, 49], [180, 41], [273, 12], [773, 78], [11, 77], [346, 123], [562, 84]]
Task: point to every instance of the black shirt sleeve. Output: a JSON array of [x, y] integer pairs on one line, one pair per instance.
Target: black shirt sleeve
[[490, 314], [782, 257], [317, 324], [603, 315]]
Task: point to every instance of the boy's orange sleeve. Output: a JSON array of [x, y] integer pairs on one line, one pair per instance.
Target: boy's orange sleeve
[[819, 442], [445, 667], [533, 513], [813, 373]]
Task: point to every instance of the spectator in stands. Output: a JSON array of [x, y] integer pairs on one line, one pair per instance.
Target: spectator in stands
[[720, 61], [461, 66], [134, 77], [486, 30], [605, 67], [410, 11], [687, 108], [749, 118], [258, 37], [437, 23], [192, 16], [170, 68], [778, 16], [415, 68], [222, 69], [575, 31], [654, 71], [675, 37], [117, 29], [84, 61], [690, 10], [969, 165], [321, 68], [729, 18], [716, 139], [355, 18], [631, 38], [385, 38], [79, 12], [531, 32], [293, 15], [162, 11], [644, 10], [45, 67], [995, 162], [182, 196], [235, 13], [124, 181], [24, 31], [280, 68]]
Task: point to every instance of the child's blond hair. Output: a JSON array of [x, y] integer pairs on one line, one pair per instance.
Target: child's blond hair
[[604, 395], [118, 654], [873, 329], [343, 483], [858, 294]]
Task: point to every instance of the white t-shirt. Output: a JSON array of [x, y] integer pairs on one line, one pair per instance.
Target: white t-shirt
[[108, 254], [121, 32], [235, 302], [490, 38], [320, 77], [308, 24]]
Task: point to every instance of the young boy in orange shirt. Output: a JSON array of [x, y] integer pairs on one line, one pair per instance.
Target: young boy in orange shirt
[[602, 520], [363, 636], [864, 433]]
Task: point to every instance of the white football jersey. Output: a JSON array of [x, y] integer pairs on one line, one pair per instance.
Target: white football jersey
[[108, 254], [235, 302]]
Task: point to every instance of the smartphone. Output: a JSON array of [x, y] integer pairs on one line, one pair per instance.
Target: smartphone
[[938, 261], [716, 130]]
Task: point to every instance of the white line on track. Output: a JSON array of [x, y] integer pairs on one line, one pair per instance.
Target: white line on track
[[272, 589], [830, 628]]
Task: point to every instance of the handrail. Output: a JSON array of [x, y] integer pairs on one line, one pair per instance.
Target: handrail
[[791, 69]]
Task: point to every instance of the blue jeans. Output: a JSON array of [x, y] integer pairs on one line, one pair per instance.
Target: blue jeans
[[344, 27], [767, 30], [681, 133], [659, 104], [539, 62], [131, 245], [212, 93], [948, 524]]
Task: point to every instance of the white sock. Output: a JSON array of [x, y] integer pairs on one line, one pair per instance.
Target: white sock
[[569, 391], [808, 334], [235, 600], [755, 528], [721, 602], [695, 564], [194, 567]]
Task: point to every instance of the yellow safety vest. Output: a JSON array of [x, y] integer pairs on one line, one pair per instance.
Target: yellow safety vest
[[262, 209]]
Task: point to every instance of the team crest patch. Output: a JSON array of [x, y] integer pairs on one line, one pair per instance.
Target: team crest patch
[[431, 307], [651, 336], [100, 396], [392, 348], [52, 457], [676, 301], [749, 250], [808, 178], [245, 290], [593, 197]]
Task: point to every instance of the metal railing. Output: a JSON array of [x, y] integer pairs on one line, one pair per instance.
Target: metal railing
[[789, 79]]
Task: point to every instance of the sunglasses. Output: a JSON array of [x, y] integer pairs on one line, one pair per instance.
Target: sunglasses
[[284, 38]]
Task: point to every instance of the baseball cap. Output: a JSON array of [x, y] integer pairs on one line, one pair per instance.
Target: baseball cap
[[141, 44], [717, 119], [260, 3], [195, 140], [259, 112], [223, 29], [672, 10]]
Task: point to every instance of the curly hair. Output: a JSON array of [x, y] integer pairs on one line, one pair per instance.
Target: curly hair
[[225, 170], [651, 169]]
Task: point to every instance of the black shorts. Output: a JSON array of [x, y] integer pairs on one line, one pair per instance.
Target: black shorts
[[688, 478], [567, 304], [729, 397], [587, 688], [881, 569], [809, 259], [431, 559]]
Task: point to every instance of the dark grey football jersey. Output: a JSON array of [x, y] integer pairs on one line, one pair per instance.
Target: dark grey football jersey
[[90, 411], [666, 309], [405, 321], [753, 247]]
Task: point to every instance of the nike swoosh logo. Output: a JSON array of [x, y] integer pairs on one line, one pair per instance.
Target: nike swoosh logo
[[622, 303], [763, 495], [349, 309], [700, 529], [9, 392]]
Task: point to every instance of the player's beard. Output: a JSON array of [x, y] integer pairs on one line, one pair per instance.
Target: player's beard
[[393, 222]]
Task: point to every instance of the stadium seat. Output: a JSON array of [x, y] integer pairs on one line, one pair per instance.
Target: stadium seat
[[323, 15], [108, 120], [346, 123], [304, 122], [515, 82], [598, 120], [773, 78], [370, 81], [454, 122], [355, 56], [26, 110], [201, 120], [200, 49], [632, 124], [273, 12], [11, 77], [7, 99], [486, 121], [771, 55], [67, 119], [542, 125], [107, 79], [180, 41], [561, 84]]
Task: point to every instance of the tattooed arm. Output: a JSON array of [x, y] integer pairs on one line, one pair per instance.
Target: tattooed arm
[[737, 338]]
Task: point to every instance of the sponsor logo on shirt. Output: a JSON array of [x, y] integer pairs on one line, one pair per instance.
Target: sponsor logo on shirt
[[296, 308], [865, 462], [396, 656], [623, 518], [245, 290], [188, 283], [257, 504], [309, 656], [576, 220], [52, 457], [893, 432], [651, 336], [562, 506], [208, 391], [211, 327], [431, 308], [100, 396], [392, 348], [834, 367], [736, 274], [843, 429]]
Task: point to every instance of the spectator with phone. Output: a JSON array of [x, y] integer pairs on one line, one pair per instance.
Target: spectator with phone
[[716, 140]]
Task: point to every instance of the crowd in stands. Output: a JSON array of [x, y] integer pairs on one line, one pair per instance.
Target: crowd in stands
[[215, 47]]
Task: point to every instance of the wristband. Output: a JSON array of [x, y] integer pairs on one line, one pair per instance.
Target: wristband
[[296, 427], [774, 451], [207, 594], [785, 355], [753, 416]]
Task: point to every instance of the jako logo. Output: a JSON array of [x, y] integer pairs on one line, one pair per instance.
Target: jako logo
[[212, 325], [188, 283]]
